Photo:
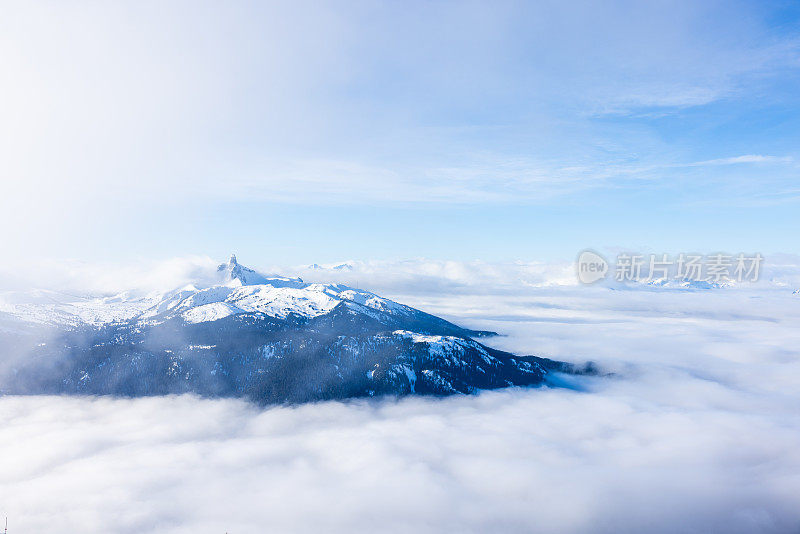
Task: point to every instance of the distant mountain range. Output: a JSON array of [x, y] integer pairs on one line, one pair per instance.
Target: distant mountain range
[[267, 338]]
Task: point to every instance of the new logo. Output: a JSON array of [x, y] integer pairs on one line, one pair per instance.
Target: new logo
[[591, 267]]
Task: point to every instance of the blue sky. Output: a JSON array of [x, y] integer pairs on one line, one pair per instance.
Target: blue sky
[[318, 132]]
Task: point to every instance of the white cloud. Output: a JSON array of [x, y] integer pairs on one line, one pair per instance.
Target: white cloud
[[747, 158], [105, 278], [615, 460]]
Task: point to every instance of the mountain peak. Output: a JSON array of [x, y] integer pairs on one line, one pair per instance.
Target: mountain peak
[[234, 271]]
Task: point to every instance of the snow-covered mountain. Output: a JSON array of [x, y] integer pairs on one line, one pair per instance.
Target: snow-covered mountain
[[237, 290], [268, 338], [685, 283]]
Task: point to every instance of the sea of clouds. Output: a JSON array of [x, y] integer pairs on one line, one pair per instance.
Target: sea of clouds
[[696, 430]]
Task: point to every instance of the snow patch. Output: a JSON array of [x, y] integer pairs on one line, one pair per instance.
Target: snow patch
[[209, 312]]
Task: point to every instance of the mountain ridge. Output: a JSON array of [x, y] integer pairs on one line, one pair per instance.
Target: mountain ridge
[[268, 339]]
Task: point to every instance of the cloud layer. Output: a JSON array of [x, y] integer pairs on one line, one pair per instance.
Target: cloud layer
[[516, 461]]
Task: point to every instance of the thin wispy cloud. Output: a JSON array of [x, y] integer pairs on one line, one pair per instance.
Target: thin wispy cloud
[[747, 158], [487, 181]]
